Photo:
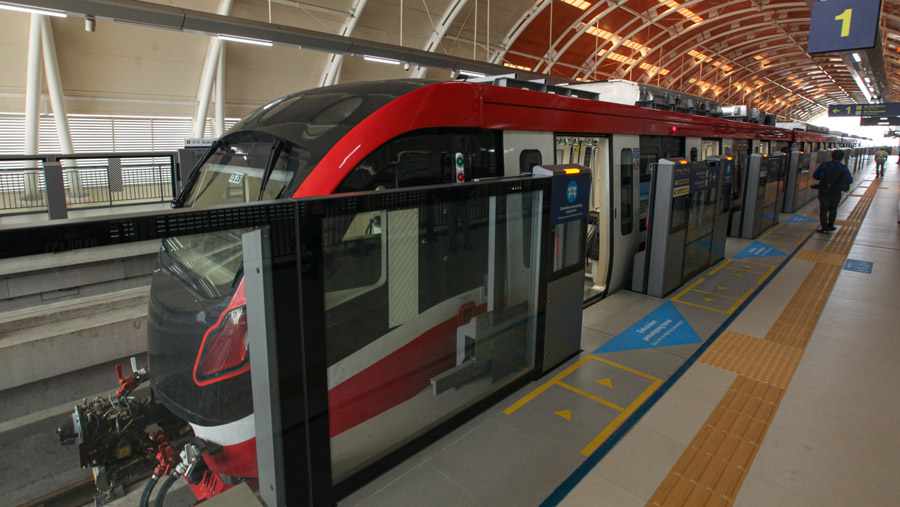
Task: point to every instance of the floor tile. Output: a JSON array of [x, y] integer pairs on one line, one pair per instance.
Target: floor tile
[[827, 477], [596, 490], [424, 485], [640, 461], [704, 382], [496, 465], [759, 316], [619, 311], [757, 492], [678, 416]]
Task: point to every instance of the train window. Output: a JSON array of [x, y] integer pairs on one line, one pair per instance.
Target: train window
[[528, 159], [246, 167], [741, 153], [423, 158], [354, 263], [331, 117], [210, 263], [286, 165], [654, 148], [710, 148], [694, 154], [627, 166]]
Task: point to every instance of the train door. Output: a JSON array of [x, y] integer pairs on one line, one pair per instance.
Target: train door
[[728, 147], [692, 148], [524, 149], [741, 150], [625, 180], [592, 152]]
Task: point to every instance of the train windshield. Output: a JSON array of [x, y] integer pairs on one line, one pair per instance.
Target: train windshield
[[208, 263], [246, 167]]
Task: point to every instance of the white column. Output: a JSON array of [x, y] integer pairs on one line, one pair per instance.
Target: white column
[[219, 129], [32, 103], [207, 75], [332, 71], [434, 41], [57, 99]]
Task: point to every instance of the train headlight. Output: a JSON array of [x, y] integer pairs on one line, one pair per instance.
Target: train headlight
[[224, 352]]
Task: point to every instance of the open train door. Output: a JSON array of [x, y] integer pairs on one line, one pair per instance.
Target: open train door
[[593, 153], [625, 186]]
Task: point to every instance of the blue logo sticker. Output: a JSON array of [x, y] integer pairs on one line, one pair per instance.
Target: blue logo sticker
[[572, 191], [859, 266], [758, 249], [663, 327], [800, 219]]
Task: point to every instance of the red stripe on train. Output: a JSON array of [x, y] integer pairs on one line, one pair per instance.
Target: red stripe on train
[[394, 379]]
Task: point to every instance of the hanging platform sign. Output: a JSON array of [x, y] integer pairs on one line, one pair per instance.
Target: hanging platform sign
[[879, 110], [199, 142], [843, 25]]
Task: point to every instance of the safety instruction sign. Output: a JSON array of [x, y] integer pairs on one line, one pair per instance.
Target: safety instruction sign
[[798, 219], [758, 249], [663, 327], [858, 266], [570, 198]]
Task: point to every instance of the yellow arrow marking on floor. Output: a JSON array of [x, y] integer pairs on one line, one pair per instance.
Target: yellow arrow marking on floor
[[607, 382], [565, 414], [721, 288], [738, 274], [708, 299]]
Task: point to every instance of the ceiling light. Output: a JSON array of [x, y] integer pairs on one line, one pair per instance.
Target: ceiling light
[[33, 10], [473, 73], [856, 57], [245, 40], [381, 60]]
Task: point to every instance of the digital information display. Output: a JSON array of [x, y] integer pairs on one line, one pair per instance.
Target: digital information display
[[879, 110], [843, 25], [890, 121]]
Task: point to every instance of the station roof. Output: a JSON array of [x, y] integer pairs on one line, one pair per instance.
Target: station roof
[[736, 52]]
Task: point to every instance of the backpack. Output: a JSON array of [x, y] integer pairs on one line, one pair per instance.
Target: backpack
[[833, 177]]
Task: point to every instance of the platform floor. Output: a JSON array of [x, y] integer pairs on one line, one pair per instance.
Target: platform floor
[[770, 379]]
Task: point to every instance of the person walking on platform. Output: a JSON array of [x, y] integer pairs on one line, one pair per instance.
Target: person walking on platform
[[833, 177], [881, 157]]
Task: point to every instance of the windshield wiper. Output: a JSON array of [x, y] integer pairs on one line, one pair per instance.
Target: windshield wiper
[[189, 184], [277, 148]]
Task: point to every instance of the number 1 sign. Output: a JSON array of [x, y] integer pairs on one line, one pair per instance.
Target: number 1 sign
[[843, 25]]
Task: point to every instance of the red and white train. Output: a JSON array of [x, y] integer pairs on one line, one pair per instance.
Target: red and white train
[[394, 134]]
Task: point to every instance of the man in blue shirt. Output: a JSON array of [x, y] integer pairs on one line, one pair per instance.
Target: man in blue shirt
[[833, 177]]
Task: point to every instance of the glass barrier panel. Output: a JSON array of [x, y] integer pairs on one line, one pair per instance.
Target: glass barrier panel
[[112, 365], [420, 323]]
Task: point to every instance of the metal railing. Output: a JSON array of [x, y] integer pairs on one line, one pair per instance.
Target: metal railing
[[87, 180]]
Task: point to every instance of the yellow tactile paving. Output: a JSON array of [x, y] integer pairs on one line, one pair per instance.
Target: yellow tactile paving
[[716, 461], [796, 323], [713, 467], [829, 258], [754, 358]]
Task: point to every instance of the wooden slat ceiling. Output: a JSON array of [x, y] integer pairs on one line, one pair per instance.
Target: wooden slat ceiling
[[750, 52]]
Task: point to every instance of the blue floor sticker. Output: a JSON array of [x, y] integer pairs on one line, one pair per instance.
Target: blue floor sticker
[[796, 219], [758, 249], [858, 266], [663, 327]]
